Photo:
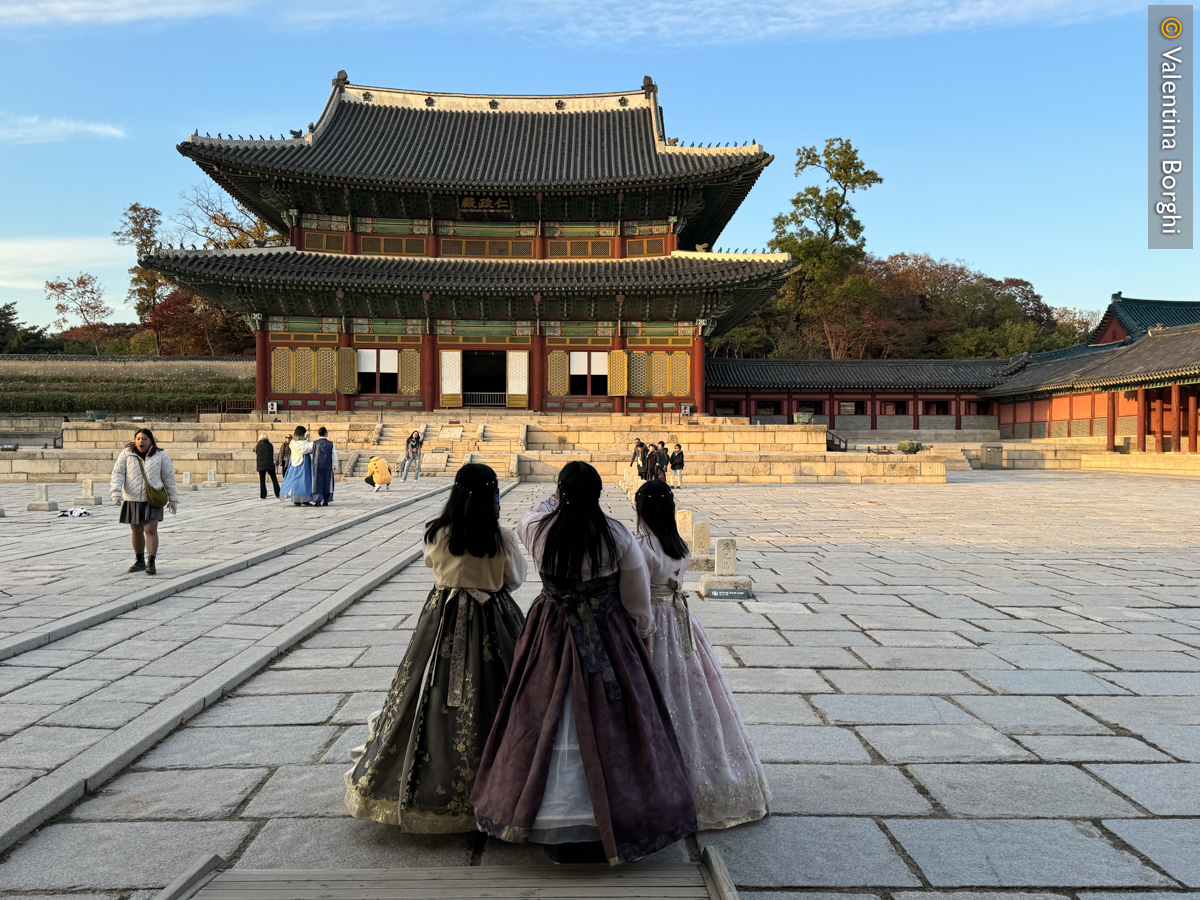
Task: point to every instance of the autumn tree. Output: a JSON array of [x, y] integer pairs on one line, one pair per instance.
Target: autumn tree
[[823, 234], [220, 223], [81, 298], [140, 229]]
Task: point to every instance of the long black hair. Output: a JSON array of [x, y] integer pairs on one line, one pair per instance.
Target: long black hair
[[578, 529], [470, 513], [655, 505]]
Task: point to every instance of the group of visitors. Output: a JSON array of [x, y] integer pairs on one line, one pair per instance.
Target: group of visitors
[[308, 467], [379, 473], [654, 461], [601, 726]]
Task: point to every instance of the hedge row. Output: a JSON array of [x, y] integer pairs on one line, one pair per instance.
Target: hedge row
[[73, 397]]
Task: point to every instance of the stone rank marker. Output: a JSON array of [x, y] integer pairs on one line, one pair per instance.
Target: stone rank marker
[[86, 495], [683, 520], [212, 480], [187, 485], [42, 501], [702, 560], [725, 577]]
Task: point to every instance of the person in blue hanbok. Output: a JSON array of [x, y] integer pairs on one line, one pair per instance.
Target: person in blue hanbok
[[297, 483], [324, 467]]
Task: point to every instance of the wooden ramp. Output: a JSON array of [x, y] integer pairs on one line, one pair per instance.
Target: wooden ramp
[[210, 879]]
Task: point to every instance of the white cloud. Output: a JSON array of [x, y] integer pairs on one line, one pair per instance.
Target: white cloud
[[27, 263], [36, 130], [49, 12], [670, 21]]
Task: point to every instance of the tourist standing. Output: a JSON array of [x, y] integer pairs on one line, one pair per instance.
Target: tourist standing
[[143, 482], [297, 483], [727, 779], [612, 787], [324, 467], [677, 466], [264, 453], [661, 460], [412, 456], [418, 766], [284, 457], [641, 459], [379, 473]]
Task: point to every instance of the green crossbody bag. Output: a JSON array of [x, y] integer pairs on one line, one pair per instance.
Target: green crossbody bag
[[156, 497]]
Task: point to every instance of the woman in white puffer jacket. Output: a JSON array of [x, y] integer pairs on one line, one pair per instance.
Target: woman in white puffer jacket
[[128, 490]]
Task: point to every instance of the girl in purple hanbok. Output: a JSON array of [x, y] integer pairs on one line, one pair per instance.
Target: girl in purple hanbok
[[727, 779]]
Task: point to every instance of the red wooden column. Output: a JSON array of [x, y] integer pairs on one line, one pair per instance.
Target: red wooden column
[[1176, 420], [916, 411], [874, 401], [958, 410], [698, 369], [262, 366], [537, 373], [537, 360], [1158, 420], [429, 397], [1141, 420], [1111, 438], [1192, 419], [345, 339]]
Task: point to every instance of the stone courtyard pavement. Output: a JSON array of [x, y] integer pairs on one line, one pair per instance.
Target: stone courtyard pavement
[[991, 686]]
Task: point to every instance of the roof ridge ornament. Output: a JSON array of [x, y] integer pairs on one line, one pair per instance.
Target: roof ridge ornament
[[648, 86], [340, 82]]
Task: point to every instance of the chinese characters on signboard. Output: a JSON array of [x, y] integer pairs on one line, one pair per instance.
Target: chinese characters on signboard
[[484, 204]]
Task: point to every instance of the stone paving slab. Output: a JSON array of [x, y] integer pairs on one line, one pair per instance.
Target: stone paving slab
[[999, 626], [1019, 853], [1169, 843]]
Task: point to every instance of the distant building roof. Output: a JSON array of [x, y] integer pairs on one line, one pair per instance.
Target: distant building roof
[[854, 374], [1136, 316], [1162, 355]]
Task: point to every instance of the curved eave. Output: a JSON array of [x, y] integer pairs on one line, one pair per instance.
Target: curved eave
[[737, 165], [372, 277]]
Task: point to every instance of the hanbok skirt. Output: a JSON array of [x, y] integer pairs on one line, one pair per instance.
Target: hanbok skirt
[[727, 779], [418, 766], [297, 483], [582, 748]]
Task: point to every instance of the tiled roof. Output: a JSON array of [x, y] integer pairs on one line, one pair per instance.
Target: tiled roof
[[289, 267], [1161, 356], [1138, 316], [455, 141], [1048, 371], [854, 374]]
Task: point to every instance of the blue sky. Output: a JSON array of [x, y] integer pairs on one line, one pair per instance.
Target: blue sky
[[1010, 135]]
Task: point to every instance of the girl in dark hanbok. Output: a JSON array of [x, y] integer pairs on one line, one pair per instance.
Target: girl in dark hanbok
[[582, 757], [419, 764]]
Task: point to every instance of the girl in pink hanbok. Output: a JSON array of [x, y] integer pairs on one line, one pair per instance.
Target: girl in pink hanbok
[[726, 777]]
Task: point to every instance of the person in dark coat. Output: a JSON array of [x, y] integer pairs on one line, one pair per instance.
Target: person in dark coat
[[641, 458], [324, 466], [677, 466], [284, 458], [264, 453], [661, 460]]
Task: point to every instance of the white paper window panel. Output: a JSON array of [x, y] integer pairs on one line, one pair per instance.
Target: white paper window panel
[[366, 360], [451, 371], [389, 361], [579, 362], [518, 372], [600, 362]]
